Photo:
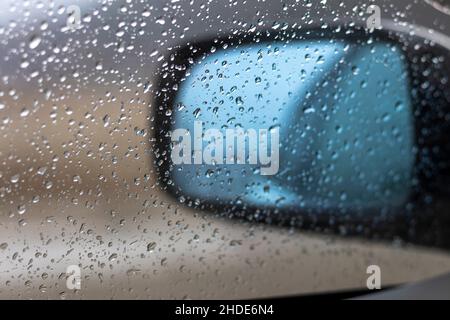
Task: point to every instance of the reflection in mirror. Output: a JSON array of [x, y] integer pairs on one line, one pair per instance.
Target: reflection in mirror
[[303, 125]]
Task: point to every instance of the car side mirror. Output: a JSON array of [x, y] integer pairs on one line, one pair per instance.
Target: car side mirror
[[324, 130]]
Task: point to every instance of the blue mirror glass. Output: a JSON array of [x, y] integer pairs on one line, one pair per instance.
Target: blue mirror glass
[[313, 124]]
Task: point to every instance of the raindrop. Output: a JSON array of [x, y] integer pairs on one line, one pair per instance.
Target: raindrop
[[24, 112], [197, 112], [15, 178], [34, 42], [112, 257], [151, 246]]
